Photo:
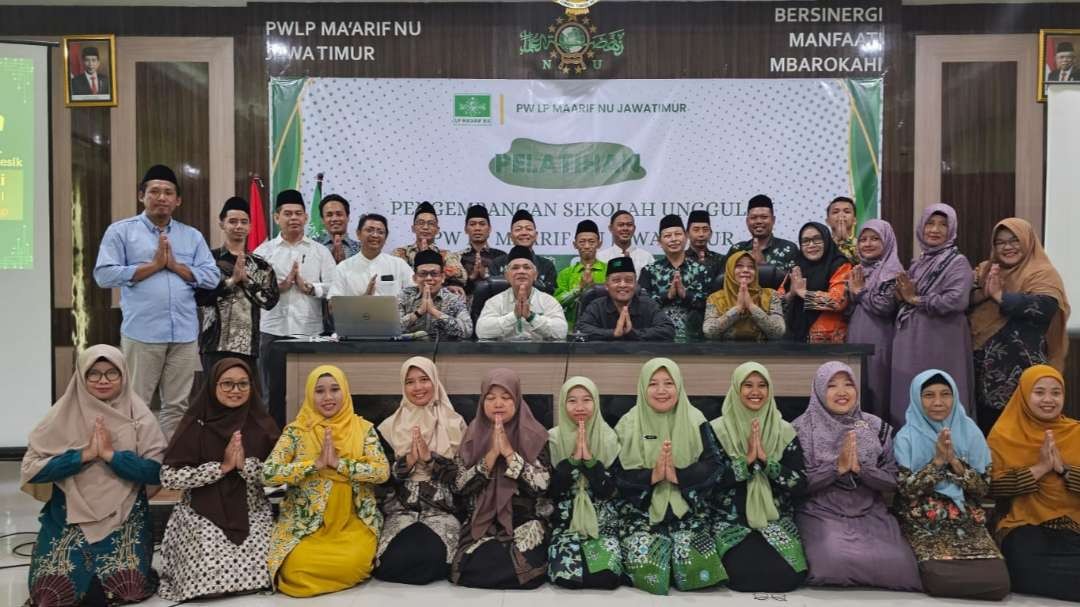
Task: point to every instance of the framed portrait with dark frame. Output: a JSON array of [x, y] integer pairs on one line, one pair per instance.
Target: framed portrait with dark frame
[[90, 70], [1058, 60]]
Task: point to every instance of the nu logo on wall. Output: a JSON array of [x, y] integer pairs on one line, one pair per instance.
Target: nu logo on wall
[[572, 45], [472, 109]]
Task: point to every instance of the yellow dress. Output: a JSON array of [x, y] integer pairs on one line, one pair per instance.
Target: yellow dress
[[339, 555]]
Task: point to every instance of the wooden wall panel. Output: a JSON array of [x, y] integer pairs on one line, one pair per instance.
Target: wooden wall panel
[[172, 121], [978, 148]]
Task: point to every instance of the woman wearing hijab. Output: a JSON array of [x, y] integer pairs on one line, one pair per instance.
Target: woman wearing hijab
[[755, 527], [584, 550], [849, 535], [328, 527], [944, 473], [217, 537], [931, 327], [1036, 478], [503, 470], [667, 471], [743, 310], [872, 320], [815, 295], [420, 531], [90, 460], [1018, 316]]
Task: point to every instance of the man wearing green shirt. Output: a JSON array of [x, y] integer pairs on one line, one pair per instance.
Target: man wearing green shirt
[[580, 276]]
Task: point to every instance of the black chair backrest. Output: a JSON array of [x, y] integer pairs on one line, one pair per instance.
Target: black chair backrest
[[485, 290], [770, 276], [590, 296]]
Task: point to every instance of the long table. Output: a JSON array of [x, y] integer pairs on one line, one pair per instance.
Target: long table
[[373, 369]]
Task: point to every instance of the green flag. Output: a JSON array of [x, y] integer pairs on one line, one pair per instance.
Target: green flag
[[315, 227]]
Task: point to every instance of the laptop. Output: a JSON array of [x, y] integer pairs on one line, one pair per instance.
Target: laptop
[[372, 317]]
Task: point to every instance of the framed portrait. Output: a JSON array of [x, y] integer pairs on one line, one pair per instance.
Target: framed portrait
[[1058, 59], [90, 70]]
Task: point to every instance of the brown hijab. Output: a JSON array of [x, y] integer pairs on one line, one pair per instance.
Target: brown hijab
[[527, 436], [1034, 275], [98, 500], [202, 436]]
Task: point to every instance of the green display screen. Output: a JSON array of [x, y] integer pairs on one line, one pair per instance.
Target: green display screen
[[18, 113]]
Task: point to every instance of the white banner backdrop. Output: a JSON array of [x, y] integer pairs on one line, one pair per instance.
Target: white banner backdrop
[[570, 150]]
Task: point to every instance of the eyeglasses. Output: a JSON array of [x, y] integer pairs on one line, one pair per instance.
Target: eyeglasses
[[1004, 244], [432, 274], [426, 224], [94, 376], [812, 241], [373, 231], [230, 386]]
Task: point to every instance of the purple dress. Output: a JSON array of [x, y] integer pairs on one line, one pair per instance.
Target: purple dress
[[873, 317], [849, 536], [935, 334]]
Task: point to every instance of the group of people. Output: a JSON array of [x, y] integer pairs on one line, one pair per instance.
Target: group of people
[[659, 497]]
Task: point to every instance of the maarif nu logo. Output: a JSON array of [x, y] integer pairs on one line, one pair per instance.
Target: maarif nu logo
[[472, 109]]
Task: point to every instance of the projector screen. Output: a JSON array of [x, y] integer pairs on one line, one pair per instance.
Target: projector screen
[[1062, 187], [26, 361]]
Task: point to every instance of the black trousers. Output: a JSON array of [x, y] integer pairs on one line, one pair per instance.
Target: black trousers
[[982, 579], [416, 555], [755, 566], [1044, 561], [491, 566], [604, 580]]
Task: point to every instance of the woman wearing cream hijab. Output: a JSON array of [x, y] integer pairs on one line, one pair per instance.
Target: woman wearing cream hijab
[[92, 458], [420, 531]]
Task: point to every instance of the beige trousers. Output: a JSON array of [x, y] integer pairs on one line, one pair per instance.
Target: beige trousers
[[165, 370]]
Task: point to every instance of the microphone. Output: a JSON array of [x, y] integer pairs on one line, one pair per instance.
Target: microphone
[[414, 336]]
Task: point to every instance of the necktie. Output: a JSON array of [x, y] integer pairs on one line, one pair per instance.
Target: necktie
[[93, 85]]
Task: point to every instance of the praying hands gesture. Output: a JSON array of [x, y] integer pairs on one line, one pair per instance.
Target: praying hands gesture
[[234, 454], [993, 286], [849, 456], [664, 469], [500, 445], [163, 253], [521, 305], [479, 270], [328, 457], [581, 451], [239, 273], [754, 451], [420, 451], [370, 290], [841, 231], [623, 326], [677, 290], [944, 454], [743, 303], [291, 278], [423, 244], [905, 289], [756, 252], [856, 280], [427, 306], [587, 278], [1049, 458], [100, 446], [798, 284], [337, 249]]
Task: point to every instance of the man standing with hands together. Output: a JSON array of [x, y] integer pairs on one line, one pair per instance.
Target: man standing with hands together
[[305, 270], [158, 262]]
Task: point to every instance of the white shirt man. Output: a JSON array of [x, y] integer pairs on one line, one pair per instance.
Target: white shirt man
[[521, 313], [372, 272], [305, 269], [622, 230]]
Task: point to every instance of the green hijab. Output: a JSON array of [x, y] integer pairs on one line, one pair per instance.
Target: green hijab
[[603, 444], [680, 425], [733, 430]]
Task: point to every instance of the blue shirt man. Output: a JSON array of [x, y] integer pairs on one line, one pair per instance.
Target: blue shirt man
[[157, 263]]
